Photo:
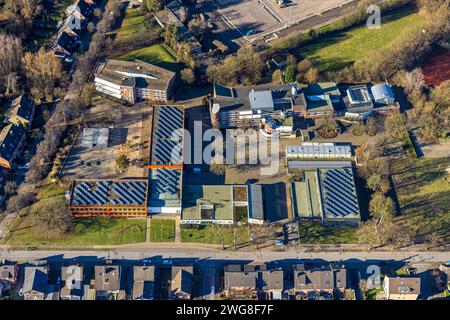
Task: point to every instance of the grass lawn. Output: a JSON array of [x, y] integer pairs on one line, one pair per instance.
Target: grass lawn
[[162, 230], [132, 24], [207, 234], [315, 233], [423, 195], [157, 54], [86, 232], [340, 49]]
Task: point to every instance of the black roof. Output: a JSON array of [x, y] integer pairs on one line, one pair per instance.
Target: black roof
[[23, 107], [66, 41], [10, 138]]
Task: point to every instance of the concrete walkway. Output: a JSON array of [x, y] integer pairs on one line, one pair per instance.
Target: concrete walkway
[[147, 230]]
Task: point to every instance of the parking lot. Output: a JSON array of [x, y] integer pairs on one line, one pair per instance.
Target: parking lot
[[242, 21]]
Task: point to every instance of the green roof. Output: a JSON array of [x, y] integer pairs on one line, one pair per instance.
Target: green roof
[[306, 196], [220, 197]]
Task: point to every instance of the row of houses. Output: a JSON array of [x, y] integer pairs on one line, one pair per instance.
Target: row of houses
[[69, 34], [104, 282], [274, 107], [237, 281], [19, 118]]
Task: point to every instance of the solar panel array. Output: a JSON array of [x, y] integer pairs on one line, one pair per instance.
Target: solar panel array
[[339, 193], [109, 193], [168, 147], [166, 181]]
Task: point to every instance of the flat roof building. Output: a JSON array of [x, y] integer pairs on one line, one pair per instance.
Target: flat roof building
[[134, 81], [109, 198], [312, 150], [203, 204], [327, 196], [255, 204]]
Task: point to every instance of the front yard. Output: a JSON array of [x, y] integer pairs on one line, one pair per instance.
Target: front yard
[[214, 234]]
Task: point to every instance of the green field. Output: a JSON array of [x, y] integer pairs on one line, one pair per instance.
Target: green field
[[157, 54], [340, 49], [132, 24], [86, 232], [423, 191], [315, 233], [162, 230], [207, 234]]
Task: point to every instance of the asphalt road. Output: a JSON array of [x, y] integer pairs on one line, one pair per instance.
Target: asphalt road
[[214, 254]]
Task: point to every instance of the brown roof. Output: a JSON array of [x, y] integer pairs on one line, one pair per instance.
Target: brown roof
[[158, 78], [405, 285], [107, 278], [75, 274]]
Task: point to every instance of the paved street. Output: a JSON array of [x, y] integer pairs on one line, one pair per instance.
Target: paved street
[[211, 253]]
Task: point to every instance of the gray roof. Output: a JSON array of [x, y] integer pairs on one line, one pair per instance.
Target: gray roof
[[35, 279], [7, 272], [134, 74], [339, 193], [261, 100], [182, 280], [240, 279], [382, 91], [271, 280], [107, 278], [319, 150], [319, 278], [109, 193], [10, 138], [22, 107], [74, 273], [167, 136], [255, 203], [324, 164]]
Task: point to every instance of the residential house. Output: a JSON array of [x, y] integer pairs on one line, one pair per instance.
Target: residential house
[[240, 282], [182, 278], [315, 282], [35, 282], [107, 282], [401, 288], [144, 282], [134, 81], [21, 111], [11, 138], [64, 44], [83, 8], [72, 277], [253, 281], [52, 292], [8, 277], [271, 283]]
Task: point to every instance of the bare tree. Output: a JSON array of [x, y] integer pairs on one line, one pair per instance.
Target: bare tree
[[10, 58]]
